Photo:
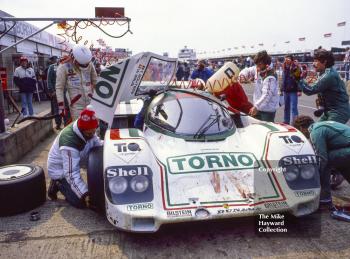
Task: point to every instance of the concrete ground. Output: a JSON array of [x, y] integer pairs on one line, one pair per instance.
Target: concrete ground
[[65, 232], [38, 107]]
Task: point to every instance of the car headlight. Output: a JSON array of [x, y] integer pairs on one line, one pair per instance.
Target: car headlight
[[118, 185], [307, 171], [139, 183], [291, 173]]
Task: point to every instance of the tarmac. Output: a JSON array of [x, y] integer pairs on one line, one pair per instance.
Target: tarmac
[[66, 232]]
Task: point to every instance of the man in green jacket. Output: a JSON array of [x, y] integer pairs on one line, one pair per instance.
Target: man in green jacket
[[331, 141], [330, 88]]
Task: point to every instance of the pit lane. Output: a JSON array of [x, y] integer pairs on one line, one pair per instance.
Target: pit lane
[[66, 232]]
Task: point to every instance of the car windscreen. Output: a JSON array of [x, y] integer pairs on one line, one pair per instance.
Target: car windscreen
[[189, 114], [157, 76]]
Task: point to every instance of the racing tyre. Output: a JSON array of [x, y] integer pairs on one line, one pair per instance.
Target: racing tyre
[[95, 180], [22, 188]]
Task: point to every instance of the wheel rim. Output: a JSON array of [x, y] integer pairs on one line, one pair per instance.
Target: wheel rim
[[14, 172]]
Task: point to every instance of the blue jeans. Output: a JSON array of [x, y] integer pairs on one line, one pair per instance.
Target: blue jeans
[[67, 192], [290, 103], [346, 68], [26, 99]]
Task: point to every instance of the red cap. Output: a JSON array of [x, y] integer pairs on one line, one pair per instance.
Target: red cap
[[87, 119]]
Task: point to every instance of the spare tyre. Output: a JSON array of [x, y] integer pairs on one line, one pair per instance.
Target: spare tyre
[[22, 188]]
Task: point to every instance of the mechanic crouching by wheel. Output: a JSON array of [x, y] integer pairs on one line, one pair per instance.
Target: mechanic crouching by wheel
[[330, 88], [69, 150], [331, 141]]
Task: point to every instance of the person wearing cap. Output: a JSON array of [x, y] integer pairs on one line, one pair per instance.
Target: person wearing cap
[[68, 152], [24, 78], [78, 77], [202, 72], [330, 88], [331, 141], [265, 97]]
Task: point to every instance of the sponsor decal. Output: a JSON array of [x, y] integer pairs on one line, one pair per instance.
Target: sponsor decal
[[125, 147], [300, 160], [179, 213], [233, 210], [294, 139], [104, 87], [126, 151], [293, 142], [140, 206], [127, 171], [208, 162], [276, 205], [137, 77], [304, 193], [131, 180]]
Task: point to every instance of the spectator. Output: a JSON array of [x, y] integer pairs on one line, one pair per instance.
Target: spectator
[[51, 88], [202, 72], [347, 63], [331, 141], [98, 68], [24, 78], [290, 77], [78, 76], [265, 98], [330, 87], [187, 71], [180, 72], [68, 151]]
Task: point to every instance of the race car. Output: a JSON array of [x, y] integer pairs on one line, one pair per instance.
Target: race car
[[193, 158]]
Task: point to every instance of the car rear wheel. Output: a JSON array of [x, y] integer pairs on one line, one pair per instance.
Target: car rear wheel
[[22, 188], [95, 179]]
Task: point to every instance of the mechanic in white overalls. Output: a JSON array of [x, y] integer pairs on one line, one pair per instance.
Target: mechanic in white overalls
[[78, 77]]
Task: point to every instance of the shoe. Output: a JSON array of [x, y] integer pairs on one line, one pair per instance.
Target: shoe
[[58, 127], [53, 190], [336, 179]]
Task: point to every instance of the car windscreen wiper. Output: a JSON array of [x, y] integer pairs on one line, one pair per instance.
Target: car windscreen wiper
[[203, 128]]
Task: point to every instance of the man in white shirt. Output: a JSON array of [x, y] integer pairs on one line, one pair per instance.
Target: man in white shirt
[[265, 98]]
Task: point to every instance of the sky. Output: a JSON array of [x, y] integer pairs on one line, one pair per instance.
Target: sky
[[213, 27]]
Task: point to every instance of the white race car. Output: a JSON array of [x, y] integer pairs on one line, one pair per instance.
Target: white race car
[[195, 160]]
